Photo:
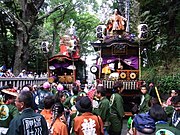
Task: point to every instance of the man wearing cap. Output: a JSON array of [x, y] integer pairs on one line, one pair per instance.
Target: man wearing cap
[[87, 123], [7, 109], [22, 74]]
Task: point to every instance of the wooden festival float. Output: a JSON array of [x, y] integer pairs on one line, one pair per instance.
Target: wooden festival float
[[63, 66]]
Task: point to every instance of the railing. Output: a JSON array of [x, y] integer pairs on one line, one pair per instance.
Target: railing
[[19, 82], [127, 84]]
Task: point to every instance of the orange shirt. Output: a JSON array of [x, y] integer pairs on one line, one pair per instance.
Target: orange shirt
[[58, 128], [46, 113], [88, 123]]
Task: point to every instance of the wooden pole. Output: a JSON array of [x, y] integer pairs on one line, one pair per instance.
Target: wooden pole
[[157, 93], [74, 71], [139, 60]]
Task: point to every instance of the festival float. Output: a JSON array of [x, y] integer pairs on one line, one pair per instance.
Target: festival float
[[119, 57], [63, 66]]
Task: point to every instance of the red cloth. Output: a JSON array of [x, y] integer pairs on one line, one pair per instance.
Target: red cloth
[[91, 93], [76, 54], [63, 50]]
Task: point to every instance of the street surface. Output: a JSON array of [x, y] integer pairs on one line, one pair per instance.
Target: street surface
[[124, 129]]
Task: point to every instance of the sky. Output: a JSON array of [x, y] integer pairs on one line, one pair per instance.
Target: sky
[[99, 2]]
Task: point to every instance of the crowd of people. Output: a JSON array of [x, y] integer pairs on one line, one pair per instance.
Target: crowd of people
[[156, 116], [53, 109], [7, 73]]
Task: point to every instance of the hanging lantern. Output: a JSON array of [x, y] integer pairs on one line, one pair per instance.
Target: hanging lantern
[[99, 61], [44, 46], [100, 32], [142, 31]]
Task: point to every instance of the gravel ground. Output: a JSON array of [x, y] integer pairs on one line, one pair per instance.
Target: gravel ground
[[124, 129]]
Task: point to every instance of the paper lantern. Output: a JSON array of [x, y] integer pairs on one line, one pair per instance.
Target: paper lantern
[[60, 87]]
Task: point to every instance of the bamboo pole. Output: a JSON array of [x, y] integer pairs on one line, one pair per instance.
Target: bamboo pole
[[157, 93]]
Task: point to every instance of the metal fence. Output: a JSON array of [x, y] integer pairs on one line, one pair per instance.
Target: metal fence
[[19, 82]]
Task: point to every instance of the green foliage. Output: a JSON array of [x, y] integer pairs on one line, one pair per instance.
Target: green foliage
[[134, 16], [163, 27], [6, 38], [84, 22], [168, 83], [162, 18], [164, 78], [165, 83]]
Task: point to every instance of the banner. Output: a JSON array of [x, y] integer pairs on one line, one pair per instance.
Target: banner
[[129, 60]]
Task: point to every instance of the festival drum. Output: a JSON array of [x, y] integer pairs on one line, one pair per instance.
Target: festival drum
[[123, 75], [132, 76], [51, 79], [69, 79], [62, 79]]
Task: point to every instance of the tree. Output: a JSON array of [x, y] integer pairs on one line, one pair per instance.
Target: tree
[[72, 14], [163, 23], [6, 38], [25, 16], [59, 21], [162, 18], [26, 24]]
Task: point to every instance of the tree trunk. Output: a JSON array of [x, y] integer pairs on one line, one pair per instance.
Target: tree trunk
[[24, 25], [54, 38], [23, 29], [19, 62]]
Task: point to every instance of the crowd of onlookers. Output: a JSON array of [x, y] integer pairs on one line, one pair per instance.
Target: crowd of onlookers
[[7, 73], [53, 109], [156, 116]]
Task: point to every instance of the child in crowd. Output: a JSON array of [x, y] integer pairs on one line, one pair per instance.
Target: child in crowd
[[41, 94], [57, 124], [103, 107], [162, 124], [48, 103]]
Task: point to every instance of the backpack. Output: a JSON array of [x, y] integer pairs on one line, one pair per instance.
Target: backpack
[[144, 123]]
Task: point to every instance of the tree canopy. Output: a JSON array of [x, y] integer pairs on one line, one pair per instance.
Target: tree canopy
[[25, 24]]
